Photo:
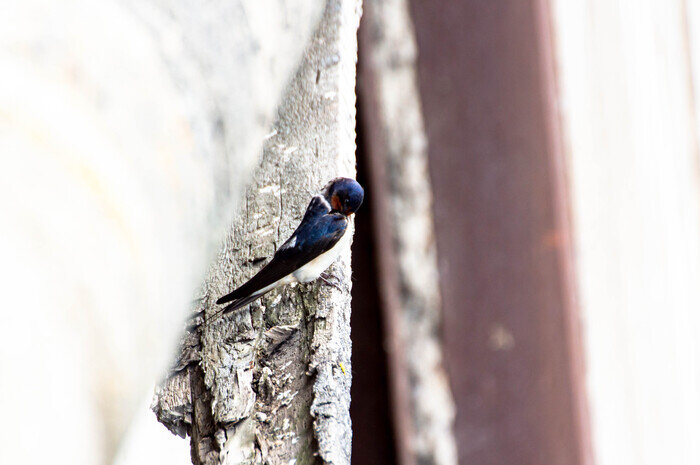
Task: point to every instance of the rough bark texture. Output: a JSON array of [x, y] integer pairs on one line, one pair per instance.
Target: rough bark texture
[[270, 383], [423, 406]]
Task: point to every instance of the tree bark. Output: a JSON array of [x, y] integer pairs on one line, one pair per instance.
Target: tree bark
[[270, 383]]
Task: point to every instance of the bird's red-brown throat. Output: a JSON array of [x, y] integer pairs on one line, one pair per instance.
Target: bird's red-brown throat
[[344, 195], [336, 203]]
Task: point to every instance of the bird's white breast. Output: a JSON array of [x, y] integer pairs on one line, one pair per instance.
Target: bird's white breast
[[318, 265]]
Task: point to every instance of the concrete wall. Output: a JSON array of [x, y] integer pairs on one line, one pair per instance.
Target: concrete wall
[[128, 131]]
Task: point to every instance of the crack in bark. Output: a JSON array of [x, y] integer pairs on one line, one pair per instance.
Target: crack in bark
[[204, 447]]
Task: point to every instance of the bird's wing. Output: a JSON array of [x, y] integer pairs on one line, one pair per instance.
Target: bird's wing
[[317, 233]]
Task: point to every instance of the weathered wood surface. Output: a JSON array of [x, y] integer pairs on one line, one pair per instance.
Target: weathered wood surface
[[423, 408], [270, 383], [512, 342], [629, 79]]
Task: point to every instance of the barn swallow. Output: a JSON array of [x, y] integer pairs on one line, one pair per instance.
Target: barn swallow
[[311, 249]]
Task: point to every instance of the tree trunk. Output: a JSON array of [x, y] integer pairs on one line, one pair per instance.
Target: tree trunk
[[270, 383]]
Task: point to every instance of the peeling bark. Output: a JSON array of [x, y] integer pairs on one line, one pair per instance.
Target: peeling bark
[[270, 383]]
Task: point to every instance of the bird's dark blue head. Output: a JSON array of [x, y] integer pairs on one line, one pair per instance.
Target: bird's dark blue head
[[345, 195]]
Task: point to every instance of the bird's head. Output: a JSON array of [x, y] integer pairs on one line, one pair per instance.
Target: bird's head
[[344, 195]]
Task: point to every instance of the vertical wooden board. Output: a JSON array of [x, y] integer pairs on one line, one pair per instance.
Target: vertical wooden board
[[629, 112], [500, 207], [422, 405]]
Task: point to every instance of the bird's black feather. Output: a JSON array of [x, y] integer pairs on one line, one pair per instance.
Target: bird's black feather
[[238, 303], [318, 232]]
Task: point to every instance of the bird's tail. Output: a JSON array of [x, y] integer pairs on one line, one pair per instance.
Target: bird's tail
[[199, 318], [235, 305], [238, 303]]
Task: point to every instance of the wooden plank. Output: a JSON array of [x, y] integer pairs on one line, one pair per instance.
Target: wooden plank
[[510, 317], [396, 154], [627, 87]]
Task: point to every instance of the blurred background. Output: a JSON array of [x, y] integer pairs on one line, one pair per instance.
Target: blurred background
[[526, 267], [562, 147]]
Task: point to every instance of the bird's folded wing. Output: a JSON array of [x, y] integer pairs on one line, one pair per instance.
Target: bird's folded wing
[[315, 235]]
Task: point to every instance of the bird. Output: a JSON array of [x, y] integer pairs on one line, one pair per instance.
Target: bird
[[311, 248]]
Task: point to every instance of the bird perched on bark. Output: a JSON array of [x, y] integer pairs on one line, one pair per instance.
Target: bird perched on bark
[[311, 249]]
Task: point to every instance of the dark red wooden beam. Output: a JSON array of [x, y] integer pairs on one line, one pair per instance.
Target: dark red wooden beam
[[511, 332]]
